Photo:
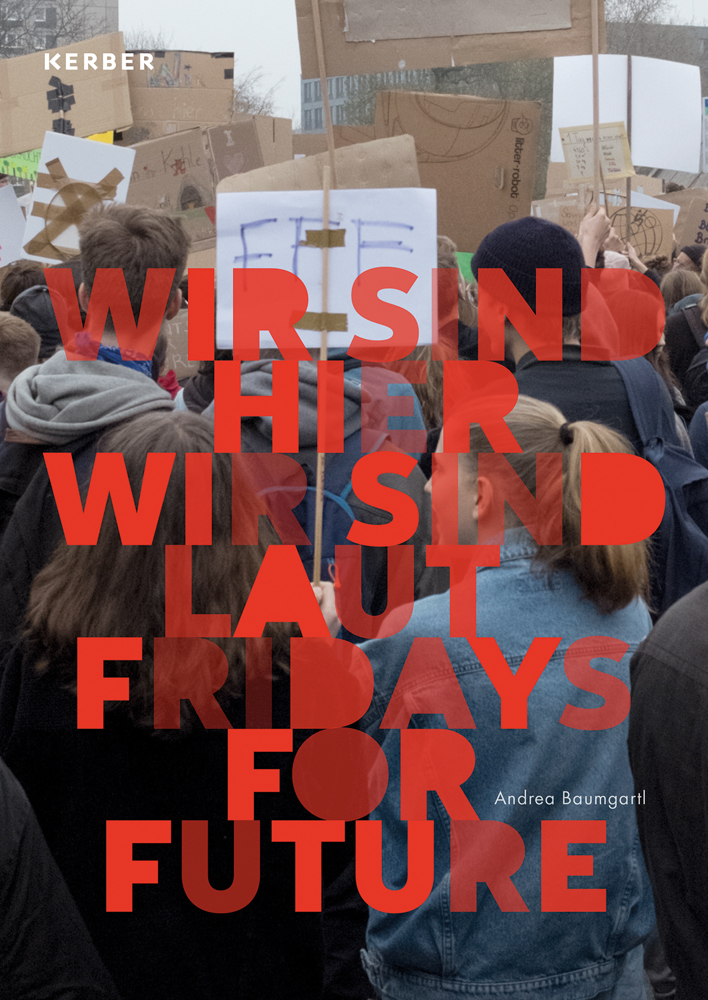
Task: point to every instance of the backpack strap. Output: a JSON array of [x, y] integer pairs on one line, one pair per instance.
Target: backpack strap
[[642, 383], [695, 323]]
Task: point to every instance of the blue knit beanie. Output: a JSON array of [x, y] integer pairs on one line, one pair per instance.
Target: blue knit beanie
[[519, 247]]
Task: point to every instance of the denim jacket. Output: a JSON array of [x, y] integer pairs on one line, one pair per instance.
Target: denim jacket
[[432, 952]]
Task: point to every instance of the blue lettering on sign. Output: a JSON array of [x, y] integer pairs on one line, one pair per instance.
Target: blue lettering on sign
[[246, 256], [378, 244], [298, 234]]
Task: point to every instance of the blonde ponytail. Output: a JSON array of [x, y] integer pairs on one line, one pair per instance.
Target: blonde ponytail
[[610, 576]]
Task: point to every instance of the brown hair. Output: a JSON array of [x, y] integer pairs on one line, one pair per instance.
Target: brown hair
[[676, 285], [19, 345], [112, 589], [609, 575], [20, 275], [133, 238]]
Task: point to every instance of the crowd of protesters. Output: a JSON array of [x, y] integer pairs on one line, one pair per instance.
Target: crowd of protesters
[[638, 612]]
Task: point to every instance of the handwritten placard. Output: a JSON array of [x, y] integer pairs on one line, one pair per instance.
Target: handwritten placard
[[391, 227], [12, 226], [615, 156]]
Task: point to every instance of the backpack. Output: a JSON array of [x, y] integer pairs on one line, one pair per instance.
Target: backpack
[[680, 544]]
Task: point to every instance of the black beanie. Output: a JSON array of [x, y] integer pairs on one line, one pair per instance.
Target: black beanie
[[519, 247], [695, 251], [35, 307]]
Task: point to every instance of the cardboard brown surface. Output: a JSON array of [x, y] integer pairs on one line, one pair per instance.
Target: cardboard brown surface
[[249, 143], [202, 258], [350, 58], [380, 164], [309, 143], [692, 223], [176, 68], [480, 155], [651, 230], [158, 112], [173, 173], [182, 90], [379, 20], [30, 101], [557, 183], [565, 211]]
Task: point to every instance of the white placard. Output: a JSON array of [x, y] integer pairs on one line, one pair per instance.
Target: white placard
[[391, 227], [85, 164], [12, 226], [666, 105], [705, 135]]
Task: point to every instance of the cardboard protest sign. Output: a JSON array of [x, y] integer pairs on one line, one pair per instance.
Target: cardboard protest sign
[[177, 353], [183, 89], [558, 182], [692, 224], [80, 102], [640, 200], [74, 176], [666, 121], [25, 164], [479, 154], [249, 143], [564, 210], [173, 174], [383, 163], [390, 227], [12, 226], [362, 36], [651, 229], [344, 135], [615, 156]]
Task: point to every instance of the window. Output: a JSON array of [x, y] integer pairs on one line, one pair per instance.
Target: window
[[308, 120], [40, 15], [11, 16], [330, 87], [318, 118], [335, 114], [307, 92], [318, 91], [11, 39], [339, 86]]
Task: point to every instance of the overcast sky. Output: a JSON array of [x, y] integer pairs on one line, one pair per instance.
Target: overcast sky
[[262, 33]]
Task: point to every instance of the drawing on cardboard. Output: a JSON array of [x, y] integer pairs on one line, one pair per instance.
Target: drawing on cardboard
[[451, 131], [71, 200], [646, 232]]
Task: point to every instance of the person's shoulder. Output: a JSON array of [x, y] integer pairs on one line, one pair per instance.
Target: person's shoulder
[[681, 634]]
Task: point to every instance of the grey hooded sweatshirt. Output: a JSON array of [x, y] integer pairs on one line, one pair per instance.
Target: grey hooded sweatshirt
[[62, 400], [257, 436]]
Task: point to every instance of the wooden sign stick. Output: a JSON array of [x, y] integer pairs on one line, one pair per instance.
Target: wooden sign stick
[[596, 99], [629, 139], [319, 479], [319, 45]]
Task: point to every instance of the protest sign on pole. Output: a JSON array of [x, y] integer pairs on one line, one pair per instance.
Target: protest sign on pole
[[74, 175], [387, 227], [418, 35]]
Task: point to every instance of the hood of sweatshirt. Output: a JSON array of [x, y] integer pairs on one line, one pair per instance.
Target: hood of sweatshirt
[[62, 400], [257, 380]]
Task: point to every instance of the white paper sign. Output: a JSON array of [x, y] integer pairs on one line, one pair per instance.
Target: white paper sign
[[666, 106], [392, 227], [12, 226], [74, 175]]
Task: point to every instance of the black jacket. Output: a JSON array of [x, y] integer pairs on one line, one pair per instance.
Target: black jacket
[[45, 950], [168, 948]]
